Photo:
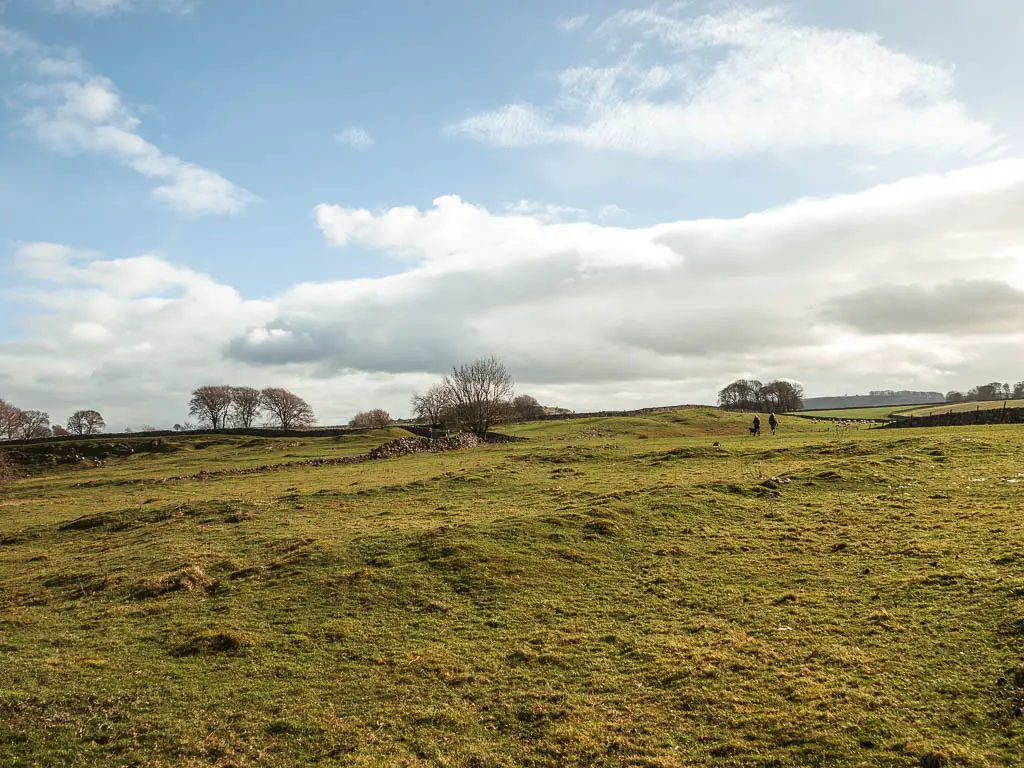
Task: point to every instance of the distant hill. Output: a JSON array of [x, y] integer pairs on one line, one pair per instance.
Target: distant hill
[[879, 397]]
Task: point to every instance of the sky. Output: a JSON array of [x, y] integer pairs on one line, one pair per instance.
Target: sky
[[629, 204]]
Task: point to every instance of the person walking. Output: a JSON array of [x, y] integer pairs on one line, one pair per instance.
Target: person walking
[[773, 422], [756, 429]]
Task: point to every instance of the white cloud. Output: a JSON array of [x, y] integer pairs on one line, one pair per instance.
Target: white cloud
[[916, 284], [571, 24], [13, 43], [546, 211], [104, 7], [71, 110], [742, 83], [611, 211], [553, 212], [357, 138]]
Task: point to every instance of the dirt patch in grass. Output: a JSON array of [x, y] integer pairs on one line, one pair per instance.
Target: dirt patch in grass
[[191, 578], [229, 642]]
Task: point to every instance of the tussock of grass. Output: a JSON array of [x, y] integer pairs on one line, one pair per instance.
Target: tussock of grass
[[191, 578]]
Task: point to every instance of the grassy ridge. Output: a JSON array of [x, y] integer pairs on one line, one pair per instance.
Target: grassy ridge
[[612, 593]]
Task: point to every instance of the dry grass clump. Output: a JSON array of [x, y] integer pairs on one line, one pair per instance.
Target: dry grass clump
[[228, 641], [190, 578]]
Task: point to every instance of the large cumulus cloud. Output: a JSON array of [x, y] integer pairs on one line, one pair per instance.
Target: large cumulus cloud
[[915, 284]]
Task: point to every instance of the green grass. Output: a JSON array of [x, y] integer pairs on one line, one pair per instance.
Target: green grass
[[611, 592], [931, 410], [875, 412], [884, 412]]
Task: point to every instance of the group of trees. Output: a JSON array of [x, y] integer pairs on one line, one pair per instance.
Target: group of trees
[[16, 423], [475, 396], [995, 390], [218, 406], [377, 418], [751, 395]]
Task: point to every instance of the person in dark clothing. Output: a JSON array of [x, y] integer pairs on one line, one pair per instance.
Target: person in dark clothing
[[756, 429], [773, 422]]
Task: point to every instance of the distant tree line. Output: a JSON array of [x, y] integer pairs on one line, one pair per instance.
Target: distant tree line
[[18, 424], [218, 406], [777, 396], [475, 396], [995, 390]]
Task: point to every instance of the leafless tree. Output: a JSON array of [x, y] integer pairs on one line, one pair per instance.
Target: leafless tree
[[526, 408], [210, 405], [59, 431], [287, 409], [246, 405], [431, 405], [11, 419], [35, 424], [479, 393], [781, 396], [751, 395], [86, 423], [741, 395], [377, 418]]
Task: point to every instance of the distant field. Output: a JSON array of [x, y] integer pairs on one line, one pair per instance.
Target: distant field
[[660, 590], [930, 410], [888, 411], [876, 412]]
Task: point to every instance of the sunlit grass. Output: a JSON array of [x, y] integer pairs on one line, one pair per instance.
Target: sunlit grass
[[609, 592]]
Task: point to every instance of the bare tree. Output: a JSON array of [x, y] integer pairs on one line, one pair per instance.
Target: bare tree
[[526, 408], [59, 431], [86, 423], [751, 395], [210, 405], [432, 405], [287, 409], [782, 396], [377, 418], [741, 395], [246, 406], [1018, 390], [479, 393], [35, 424], [11, 419]]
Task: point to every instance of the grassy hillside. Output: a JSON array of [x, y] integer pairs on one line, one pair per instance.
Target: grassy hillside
[[619, 592]]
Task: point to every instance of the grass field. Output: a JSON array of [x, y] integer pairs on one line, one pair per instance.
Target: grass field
[[884, 412], [930, 410], [881, 412], [610, 592]]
